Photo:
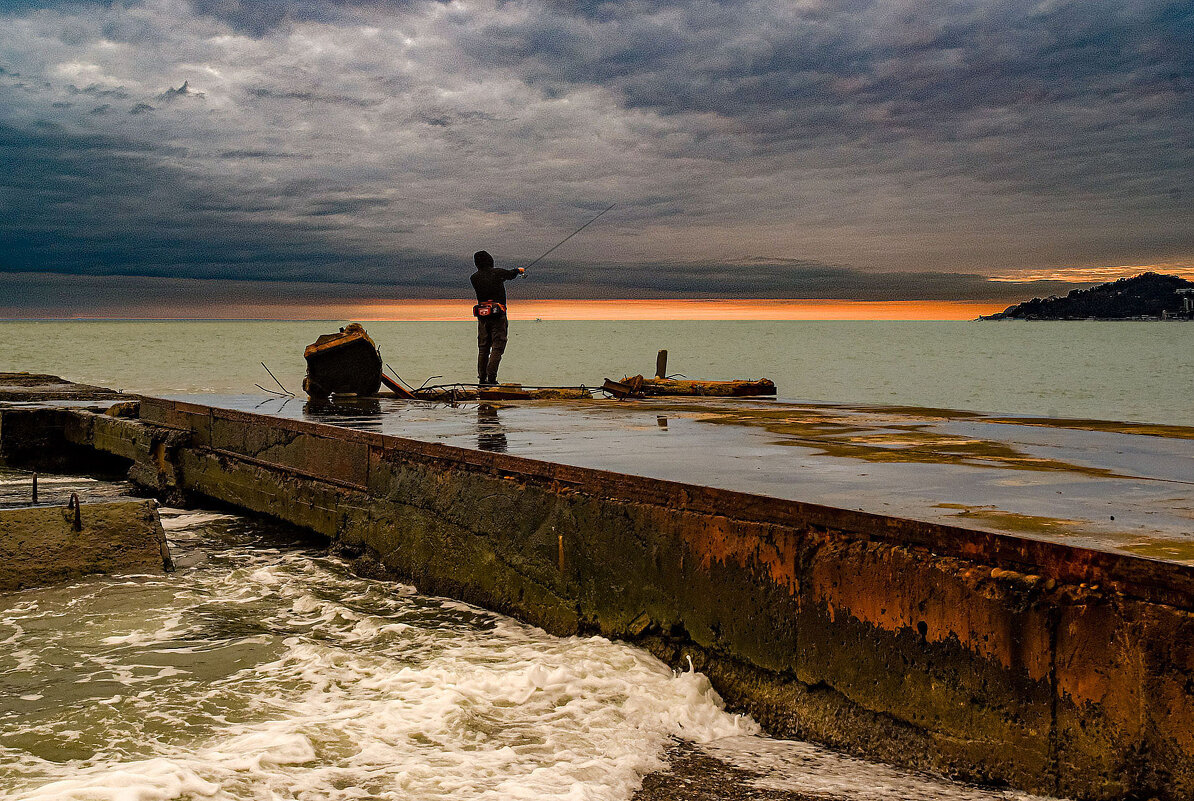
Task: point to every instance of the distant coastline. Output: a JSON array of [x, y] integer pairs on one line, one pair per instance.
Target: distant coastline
[[1142, 298]]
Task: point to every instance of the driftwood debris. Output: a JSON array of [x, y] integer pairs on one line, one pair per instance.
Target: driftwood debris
[[650, 387]]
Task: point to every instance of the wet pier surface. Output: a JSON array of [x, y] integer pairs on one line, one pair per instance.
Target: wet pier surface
[[1114, 486]]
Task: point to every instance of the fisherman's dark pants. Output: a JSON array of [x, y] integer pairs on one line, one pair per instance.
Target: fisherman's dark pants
[[491, 344]]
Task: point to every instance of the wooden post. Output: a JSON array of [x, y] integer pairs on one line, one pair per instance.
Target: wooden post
[[661, 364]]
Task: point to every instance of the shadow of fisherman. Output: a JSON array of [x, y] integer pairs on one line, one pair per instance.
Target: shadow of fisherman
[[490, 311]]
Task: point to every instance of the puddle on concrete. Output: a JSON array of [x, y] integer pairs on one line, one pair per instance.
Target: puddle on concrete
[[876, 439], [1031, 525], [1139, 429], [1167, 549]]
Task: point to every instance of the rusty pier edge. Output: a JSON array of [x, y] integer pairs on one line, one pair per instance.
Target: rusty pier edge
[[991, 657]]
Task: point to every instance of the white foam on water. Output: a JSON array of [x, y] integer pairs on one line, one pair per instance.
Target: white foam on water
[[151, 780], [169, 627], [799, 767], [18, 482], [278, 676], [178, 519]]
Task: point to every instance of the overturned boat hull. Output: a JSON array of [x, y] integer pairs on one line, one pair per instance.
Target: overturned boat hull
[[344, 363]]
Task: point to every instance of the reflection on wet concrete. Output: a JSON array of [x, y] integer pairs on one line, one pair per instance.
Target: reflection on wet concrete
[[1107, 485], [490, 434], [361, 413]]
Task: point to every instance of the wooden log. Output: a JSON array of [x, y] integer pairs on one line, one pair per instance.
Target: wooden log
[[718, 389]]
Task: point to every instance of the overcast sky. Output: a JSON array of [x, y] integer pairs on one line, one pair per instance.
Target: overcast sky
[[760, 148]]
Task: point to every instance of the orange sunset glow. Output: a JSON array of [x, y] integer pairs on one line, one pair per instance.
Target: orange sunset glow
[[1095, 275], [659, 309]]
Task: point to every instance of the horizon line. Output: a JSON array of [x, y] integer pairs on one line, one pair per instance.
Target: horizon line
[[546, 309]]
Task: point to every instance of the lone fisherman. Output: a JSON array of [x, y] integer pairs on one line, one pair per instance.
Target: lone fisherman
[[490, 311]]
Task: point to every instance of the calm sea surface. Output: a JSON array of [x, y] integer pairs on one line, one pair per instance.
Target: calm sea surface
[[1115, 371]]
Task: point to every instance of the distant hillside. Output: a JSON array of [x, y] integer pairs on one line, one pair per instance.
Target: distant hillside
[[1145, 295]]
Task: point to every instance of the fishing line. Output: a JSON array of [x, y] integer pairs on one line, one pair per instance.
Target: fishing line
[[574, 233]]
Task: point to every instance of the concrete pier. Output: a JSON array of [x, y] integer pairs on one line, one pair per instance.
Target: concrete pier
[[1049, 667], [44, 545]]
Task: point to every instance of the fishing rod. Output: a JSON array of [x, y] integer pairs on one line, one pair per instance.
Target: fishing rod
[[565, 239]]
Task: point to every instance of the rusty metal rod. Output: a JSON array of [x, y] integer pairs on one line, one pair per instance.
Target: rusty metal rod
[[276, 381], [73, 503]]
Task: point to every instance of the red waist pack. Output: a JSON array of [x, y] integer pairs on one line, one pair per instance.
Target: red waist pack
[[489, 308]]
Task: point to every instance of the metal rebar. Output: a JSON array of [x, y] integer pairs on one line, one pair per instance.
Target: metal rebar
[[276, 381], [395, 374], [73, 503]]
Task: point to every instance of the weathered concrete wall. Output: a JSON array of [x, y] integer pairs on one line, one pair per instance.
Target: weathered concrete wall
[[1055, 669], [40, 545]]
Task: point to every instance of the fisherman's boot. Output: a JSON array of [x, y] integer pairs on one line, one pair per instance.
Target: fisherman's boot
[[482, 366]]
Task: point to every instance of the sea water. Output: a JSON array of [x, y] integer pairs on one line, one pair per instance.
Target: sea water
[[1130, 371]]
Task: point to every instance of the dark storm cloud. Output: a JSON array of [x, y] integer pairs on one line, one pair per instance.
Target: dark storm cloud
[[259, 17], [347, 205], [768, 278], [311, 97], [969, 75], [215, 237], [25, 295], [258, 154], [357, 141], [122, 206], [99, 91]]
